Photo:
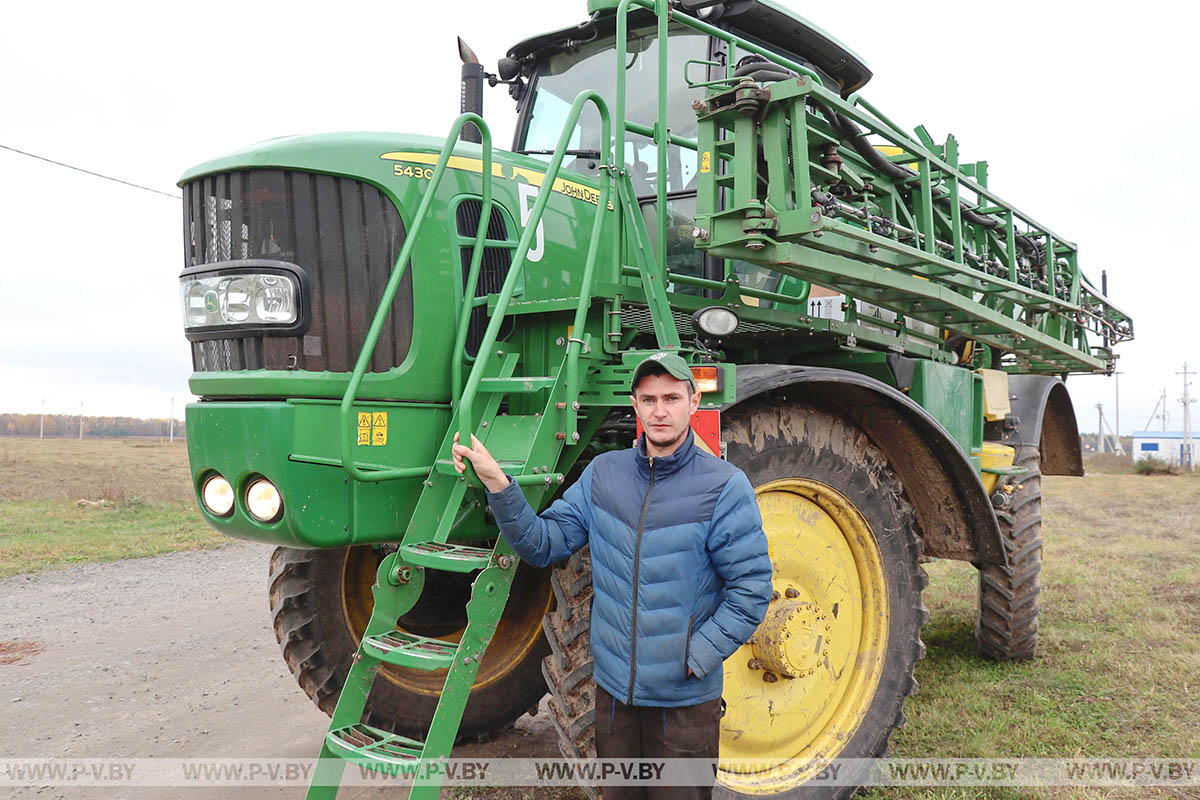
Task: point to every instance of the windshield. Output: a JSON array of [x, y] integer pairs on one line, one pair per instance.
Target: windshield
[[564, 75]]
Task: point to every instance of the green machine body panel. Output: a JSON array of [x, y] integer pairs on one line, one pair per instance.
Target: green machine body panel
[[954, 397], [292, 445]]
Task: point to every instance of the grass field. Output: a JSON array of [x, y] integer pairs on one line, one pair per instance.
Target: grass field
[[1118, 668], [140, 488]]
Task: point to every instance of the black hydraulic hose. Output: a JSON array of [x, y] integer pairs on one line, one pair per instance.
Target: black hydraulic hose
[[762, 71], [897, 172]]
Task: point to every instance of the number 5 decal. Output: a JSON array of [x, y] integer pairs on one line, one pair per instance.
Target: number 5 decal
[[526, 193]]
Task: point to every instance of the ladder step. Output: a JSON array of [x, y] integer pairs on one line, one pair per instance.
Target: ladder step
[[374, 749], [447, 557], [516, 384], [408, 650]]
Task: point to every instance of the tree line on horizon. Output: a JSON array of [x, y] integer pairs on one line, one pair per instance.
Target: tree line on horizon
[[62, 425]]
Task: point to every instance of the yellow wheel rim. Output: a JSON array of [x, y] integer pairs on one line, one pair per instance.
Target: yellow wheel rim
[[827, 626]]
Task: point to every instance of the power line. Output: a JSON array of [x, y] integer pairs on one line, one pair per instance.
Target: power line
[[89, 172]]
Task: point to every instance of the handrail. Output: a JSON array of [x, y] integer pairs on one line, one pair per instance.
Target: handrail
[[389, 293], [467, 399], [464, 320], [575, 340]]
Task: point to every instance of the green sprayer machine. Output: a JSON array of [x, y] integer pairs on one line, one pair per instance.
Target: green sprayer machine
[[881, 340]]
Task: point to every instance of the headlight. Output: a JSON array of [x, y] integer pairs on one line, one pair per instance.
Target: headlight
[[251, 298], [263, 500], [217, 495], [275, 300], [715, 321], [235, 296]]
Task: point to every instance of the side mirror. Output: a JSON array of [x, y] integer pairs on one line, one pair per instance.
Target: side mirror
[[508, 68]]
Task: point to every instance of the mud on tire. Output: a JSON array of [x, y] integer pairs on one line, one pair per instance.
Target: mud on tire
[[1006, 624], [568, 668]]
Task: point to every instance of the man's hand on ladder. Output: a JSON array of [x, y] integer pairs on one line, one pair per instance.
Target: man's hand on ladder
[[486, 468]]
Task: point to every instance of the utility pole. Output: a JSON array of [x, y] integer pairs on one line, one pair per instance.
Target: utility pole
[[42, 424], [1187, 420], [1160, 402], [172, 441], [81, 420], [1116, 447], [1117, 416]]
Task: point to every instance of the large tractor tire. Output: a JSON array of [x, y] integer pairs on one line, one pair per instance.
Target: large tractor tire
[[321, 601], [1006, 624], [845, 557]]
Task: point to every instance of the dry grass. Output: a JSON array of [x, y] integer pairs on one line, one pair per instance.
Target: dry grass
[[1119, 644], [1108, 464], [122, 470], [64, 501]]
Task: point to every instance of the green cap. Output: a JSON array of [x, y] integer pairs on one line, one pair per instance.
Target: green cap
[[670, 363]]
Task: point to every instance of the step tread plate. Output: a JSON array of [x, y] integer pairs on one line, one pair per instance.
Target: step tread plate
[[447, 556], [374, 748], [409, 650]]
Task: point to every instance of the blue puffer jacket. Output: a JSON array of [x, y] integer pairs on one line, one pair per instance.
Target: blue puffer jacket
[[680, 568]]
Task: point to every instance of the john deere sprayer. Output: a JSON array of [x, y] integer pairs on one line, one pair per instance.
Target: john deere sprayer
[[881, 341]]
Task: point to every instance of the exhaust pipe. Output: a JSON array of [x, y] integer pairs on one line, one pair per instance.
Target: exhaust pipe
[[471, 90]]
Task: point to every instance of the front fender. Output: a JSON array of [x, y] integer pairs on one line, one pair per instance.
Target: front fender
[[954, 515]]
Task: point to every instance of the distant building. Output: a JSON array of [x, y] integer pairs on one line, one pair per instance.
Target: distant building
[[1166, 446]]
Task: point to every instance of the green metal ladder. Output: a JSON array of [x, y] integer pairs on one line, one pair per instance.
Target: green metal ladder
[[525, 445]]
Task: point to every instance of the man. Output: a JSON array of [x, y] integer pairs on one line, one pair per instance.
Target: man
[[680, 572]]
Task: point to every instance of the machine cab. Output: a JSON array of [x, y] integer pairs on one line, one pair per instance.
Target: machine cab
[[557, 66]]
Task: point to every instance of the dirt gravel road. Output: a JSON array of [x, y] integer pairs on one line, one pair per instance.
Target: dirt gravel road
[[170, 657]]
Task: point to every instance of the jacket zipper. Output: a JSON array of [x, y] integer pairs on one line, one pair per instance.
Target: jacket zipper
[[637, 555], [687, 645]]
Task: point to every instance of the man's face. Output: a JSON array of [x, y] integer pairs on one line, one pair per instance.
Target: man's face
[[664, 404]]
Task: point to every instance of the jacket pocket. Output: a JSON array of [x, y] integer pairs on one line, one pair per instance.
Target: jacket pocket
[[687, 646]]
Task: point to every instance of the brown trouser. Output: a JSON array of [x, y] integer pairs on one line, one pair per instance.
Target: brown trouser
[[654, 732]]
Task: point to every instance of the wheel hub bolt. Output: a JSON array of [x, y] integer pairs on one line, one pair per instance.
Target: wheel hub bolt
[[770, 677]]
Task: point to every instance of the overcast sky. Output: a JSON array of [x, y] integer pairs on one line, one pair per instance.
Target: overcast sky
[[1087, 118]]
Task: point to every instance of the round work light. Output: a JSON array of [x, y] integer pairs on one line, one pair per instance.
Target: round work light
[[715, 321], [217, 495], [263, 500]]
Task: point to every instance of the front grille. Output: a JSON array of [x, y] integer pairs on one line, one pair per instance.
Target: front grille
[[345, 234], [493, 267]]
